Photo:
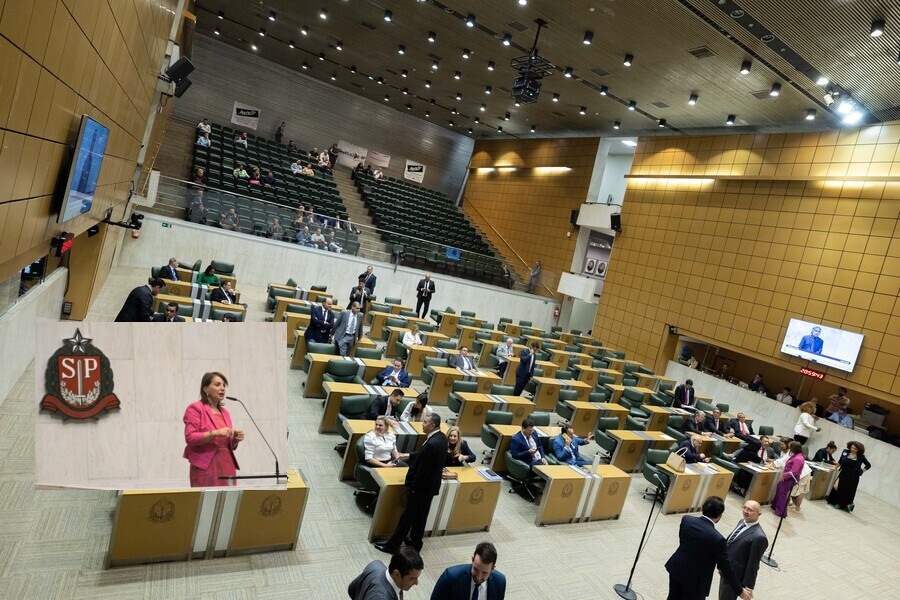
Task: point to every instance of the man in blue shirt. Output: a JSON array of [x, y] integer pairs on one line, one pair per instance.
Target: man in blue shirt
[[842, 418], [812, 343], [565, 446]]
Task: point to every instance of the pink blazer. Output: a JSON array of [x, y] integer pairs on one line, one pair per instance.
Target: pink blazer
[[793, 467], [198, 420]]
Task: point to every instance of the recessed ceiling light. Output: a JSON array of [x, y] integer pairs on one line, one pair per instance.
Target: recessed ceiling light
[[323, 14], [405, 91], [582, 110], [453, 111], [291, 44], [432, 36], [470, 131], [321, 56], [499, 129], [388, 16], [506, 117], [334, 76], [632, 105], [604, 90], [477, 120], [568, 72], [353, 69], [305, 65], [304, 30], [488, 89], [483, 107], [451, 123], [533, 128], [518, 103], [588, 38], [692, 100], [262, 32], [427, 113], [776, 89], [523, 2], [507, 39], [745, 67], [218, 31], [221, 14], [401, 49], [730, 120], [491, 65], [822, 80], [459, 95], [428, 83], [811, 114], [253, 45], [387, 98], [470, 20], [408, 106], [616, 125], [556, 97], [434, 65], [339, 45], [466, 53], [631, 143], [380, 81], [404, 73], [877, 27], [431, 102], [271, 15], [662, 122], [628, 60], [457, 75]]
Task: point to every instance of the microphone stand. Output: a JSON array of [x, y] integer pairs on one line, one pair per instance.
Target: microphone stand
[[768, 560], [625, 591], [278, 474]]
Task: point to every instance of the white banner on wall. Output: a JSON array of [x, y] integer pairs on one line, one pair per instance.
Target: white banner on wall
[[350, 155], [245, 116], [378, 159], [414, 171]]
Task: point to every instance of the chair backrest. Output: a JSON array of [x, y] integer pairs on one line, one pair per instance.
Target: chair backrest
[[216, 314], [723, 407], [505, 320], [502, 390], [498, 417], [568, 395], [446, 344], [392, 300], [154, 272], [467, 322], [676, 421], [426, 327], [222, 268], [482, 335], [604, 423], [291, 282], [564, 374], [633, 395], [433, 361], [763, 429], [361, 450], [656, 457], [486, 325], [575, 332], [556, 329], [395, 322], [465, 386], [356, 407], [466, 313], [339, 367], [409, 313], [704, 406], [320, 348], [605, 379], [665, 385], [525, 323], [368, 353], [541, 419]]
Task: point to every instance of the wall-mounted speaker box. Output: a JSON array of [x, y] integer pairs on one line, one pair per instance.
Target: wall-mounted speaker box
[[615, 222]]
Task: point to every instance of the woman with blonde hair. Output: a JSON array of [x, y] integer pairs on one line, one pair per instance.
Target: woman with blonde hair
[[458, 451], [806, 424]]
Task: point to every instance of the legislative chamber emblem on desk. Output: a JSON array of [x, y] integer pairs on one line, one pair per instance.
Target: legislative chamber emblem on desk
[[162, 511], [79, 381], [567, 490], [270, 506], [476, 496]]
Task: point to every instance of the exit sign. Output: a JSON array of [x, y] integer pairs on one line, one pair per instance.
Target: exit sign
[[811, 373], [167, 226]]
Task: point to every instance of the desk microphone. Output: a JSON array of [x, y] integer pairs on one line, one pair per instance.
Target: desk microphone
[[275, 456]]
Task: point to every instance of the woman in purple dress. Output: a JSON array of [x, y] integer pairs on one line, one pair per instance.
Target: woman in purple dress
[[789, 478]]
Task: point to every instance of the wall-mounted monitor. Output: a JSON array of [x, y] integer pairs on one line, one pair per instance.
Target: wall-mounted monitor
[[78, 195], [822, 345]]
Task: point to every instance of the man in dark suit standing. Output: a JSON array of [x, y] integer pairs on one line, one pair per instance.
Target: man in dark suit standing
[[700, 549], [684, 394], [424, 292], [423, 481], [477, 580], [348, 329], [170, 316], [369, 279], [138, 306], [168, 271], [746, 545], [378, 583], [360, 294], [525, 370], [321, 322]]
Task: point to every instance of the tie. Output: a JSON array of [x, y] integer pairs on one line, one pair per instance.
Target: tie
[[475, 592], [737, 531], [744, 428], [762, 453]]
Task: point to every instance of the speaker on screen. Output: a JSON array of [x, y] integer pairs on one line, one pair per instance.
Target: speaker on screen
[[615, 222]]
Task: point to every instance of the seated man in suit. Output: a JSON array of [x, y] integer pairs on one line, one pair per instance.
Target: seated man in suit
[[505, 351], [740, 427], [684, 395], [170, 316], [525, 370], [526, 446], [389, 584], [168, 271], [694, 424], [321, 322], [394, 376], [754, 451], [690, 450], [223, 294], [387, 406], [565, 446], [714, 423], [477, 580], [462, 360]]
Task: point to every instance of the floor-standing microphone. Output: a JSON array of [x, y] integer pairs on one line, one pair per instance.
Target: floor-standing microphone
[[625, 591], [278, 473]]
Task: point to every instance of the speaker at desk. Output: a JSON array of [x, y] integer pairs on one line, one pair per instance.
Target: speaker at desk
[[615, 222], [180, 69]]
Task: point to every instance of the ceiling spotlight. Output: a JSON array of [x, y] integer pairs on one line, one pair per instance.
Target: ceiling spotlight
[[323, 14], [582, 110], [334, 76], [523, 2], [730, 120], [459, 95], [221, 14], [453, 111], [616, 125], [291, 44], [556, 97], [491, 65], [568, 72], [533, 128], [271, 15], [662, 122], [321, 56], [506, 117], [388, 16], [432, 36], [811, 114], [466, 53], [405, 91], [431, 102], [450, 123], [588, 38], [380, 81], [477, 120], [427, 113], [470, 20], [262, 32], [745, 67], [253, 46], [353, 69], [499, 129], [877, 27], [488, 89], [434, 65], [470, 131], [404, 73], [628, 60], [632, 105], [604, 90], [339, 45], [507, 39], [518, 103], [218, 31], [408, 106], [304, 30], [850, 109], [483, 107], [401, 49], [387, 98], [457, 75], [692, 100], [428, 83], [822, 80], [776, 89], [304, 66]]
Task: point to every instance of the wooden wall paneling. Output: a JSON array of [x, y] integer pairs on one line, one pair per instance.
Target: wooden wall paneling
[[318, 114]]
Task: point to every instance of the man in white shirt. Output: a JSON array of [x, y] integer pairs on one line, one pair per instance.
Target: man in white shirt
[[297, 167], [204, 127], [785, 397], [318, 239]]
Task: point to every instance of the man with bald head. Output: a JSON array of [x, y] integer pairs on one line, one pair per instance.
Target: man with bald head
[[746, 545], [424, 292]]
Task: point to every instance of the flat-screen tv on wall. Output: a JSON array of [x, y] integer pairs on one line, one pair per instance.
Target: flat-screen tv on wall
[[823, 345], [78, 195]]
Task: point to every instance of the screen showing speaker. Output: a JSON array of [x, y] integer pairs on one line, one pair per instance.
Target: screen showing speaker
[[81, 185], [822, 345]]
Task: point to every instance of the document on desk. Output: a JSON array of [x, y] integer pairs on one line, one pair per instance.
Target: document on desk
[[756, 467], [488, 474]]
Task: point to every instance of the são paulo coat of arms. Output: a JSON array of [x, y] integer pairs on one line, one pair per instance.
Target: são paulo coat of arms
[[79, 381]]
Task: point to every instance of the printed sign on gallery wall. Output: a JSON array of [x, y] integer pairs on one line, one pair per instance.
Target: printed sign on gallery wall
[[414, 171], [350, 154], [379, 160], [245, 116]]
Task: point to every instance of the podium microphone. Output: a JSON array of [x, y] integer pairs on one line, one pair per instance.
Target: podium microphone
[[625, 591], [278, 473]]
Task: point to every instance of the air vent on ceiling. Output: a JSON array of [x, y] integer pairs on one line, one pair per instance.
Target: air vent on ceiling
[[763, 95], [660, 105], [392, 72], [702, 52], [434, 56], [517, 26], [368, 26], [600, 72], [356, 85], [557, 113]]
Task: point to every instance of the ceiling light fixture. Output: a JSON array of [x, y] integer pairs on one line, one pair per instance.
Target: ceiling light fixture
[[434, 65], [588, 38], [470, 131], [408, 106], [262, 32], [877, 27], [271, 15], [630, 143], [692, 100], [305, 65], [616, 125], [470, 20], [457, 75], [453, 111], [730, 120], [745, 67], [507, 39], [459, 95], [339, 45], [404, 73], [499, 129], [450, 123], [353, 69], [488, 89], [428, 113], [556, 97], [218, 31], [380, 81], [334, 76], [428, 83], [491, 65], [304, 30], [604, 90], [387, 98], [221, 14], [253, 46], [628, 60], [477, 120], [533, 128], [662, 122], [582, 110], [523, 2], [568, 72], [811, 114], [323, 14], [776, 89], [432, 36], [822, 80], [321, 56], [466, 53], [632, 105], [388, 16], [406, 91], [401, 49], [483, 107], [506, 117]]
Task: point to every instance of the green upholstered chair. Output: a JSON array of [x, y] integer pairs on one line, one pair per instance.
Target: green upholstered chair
[[445, 344], [606, 442], [676, 421], [318, 288], [408, 313], [521, 477], [604, 379], [374, 353], [466, 322], [504, 320], [339, 370], [599, 396], [502, 390], [391, 322], [541, 419], [630, 381], [362, 472], [665, 385], [487, 325], [671, 431], [466, 313], [217, 314], [722, 406], [767, 430], [493, 417], [222, 268], [431, 361], [562, 409], [392, 300], [274, 294], [556, 329], [525, 323], [631, 398], [576, 332], [454, 403], [352, 407], [154, 272], [644, 370], [564, 374], [633, 424], [291, 283], [704, 406], [427, 327], [654, 474]]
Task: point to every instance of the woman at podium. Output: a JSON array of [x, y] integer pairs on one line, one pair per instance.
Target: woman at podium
[[210, 439]]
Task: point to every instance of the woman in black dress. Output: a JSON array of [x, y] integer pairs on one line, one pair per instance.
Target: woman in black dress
[[853, 464]]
